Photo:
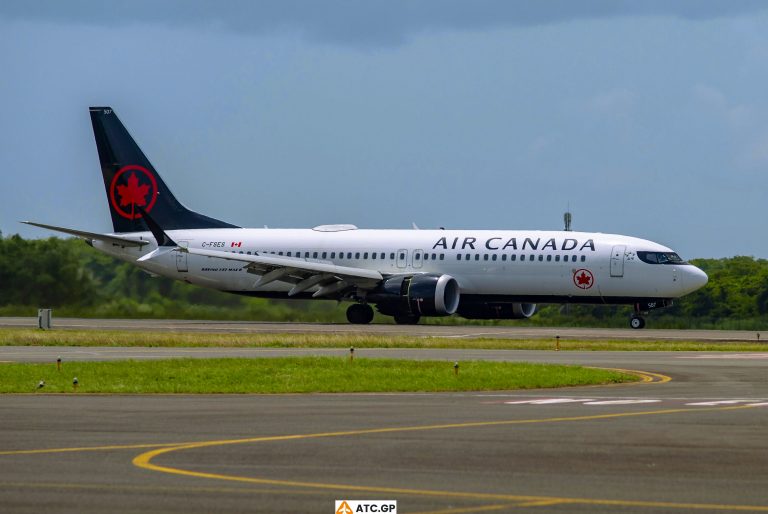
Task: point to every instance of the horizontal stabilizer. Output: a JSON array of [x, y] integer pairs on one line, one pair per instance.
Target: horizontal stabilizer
[[157, 252], [93, 236]]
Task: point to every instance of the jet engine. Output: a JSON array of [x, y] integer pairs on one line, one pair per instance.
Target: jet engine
[[418, 295]]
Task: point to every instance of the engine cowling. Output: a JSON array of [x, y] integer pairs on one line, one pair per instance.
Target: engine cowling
[[420, 295], [487, 310]]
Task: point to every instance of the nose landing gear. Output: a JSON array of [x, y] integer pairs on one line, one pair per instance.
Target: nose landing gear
[[637, 321]]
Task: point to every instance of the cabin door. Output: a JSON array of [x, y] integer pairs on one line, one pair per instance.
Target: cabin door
[[617, 260], [181, 257]]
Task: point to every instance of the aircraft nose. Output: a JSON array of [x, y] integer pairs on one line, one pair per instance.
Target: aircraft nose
[[694, 279]]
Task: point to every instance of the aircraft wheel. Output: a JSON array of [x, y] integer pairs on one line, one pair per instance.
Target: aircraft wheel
[[359, 314], [637, 322], [407, 319]]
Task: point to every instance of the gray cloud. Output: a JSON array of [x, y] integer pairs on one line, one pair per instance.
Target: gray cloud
[[357, 22]]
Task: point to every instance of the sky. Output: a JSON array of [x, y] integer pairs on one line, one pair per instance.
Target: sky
[[646, 118]]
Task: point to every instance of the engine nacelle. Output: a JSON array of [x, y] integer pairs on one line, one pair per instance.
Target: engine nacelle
[[419, 295], [497, 310]]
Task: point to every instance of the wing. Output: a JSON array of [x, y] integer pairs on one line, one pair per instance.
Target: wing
[[302, 273], [93, 236]]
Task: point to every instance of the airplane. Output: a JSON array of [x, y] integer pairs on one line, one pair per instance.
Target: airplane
[[406, 274]]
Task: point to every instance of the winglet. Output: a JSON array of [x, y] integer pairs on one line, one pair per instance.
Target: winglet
[[161, 237]]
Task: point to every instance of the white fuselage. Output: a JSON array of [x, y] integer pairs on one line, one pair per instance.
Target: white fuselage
[[540, 265]]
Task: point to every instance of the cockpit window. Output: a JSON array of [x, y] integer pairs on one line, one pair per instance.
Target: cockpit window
[[660, 258]]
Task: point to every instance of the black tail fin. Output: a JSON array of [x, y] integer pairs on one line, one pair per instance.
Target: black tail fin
[[133, 186]]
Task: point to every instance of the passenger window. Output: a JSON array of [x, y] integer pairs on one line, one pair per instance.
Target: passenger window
[[349, 255], [503, 256], [249, 253], [426, 256], [583, 258], [382, 256], [289, 254], [357, 255], [466, 257], [279, 253], [485, 257], [373, 256], [417, 256], [557, 258], [493, 257], [341, 255], [573, 259], [458, 256], [365, 255], [314, 255], [306, 255], [477, 256], [513, 257], [392, 256], [549, 258], [402, 256], [532, 257], [442, 256]]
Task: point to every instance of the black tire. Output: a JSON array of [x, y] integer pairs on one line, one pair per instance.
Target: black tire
[[407, 319], [637, 322], [359, 314]]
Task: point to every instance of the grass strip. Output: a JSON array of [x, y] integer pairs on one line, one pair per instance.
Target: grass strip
[[131, 338], [294, 375]]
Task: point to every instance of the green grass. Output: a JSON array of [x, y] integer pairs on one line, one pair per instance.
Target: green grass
[[127, 338], [294, 375]]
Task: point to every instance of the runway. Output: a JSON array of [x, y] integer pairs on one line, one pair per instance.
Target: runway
[[451, 331], [693, 443]]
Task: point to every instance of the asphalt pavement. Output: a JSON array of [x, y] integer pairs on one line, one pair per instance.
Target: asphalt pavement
[[690, 439]]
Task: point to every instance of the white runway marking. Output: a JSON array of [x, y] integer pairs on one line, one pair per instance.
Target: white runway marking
[[726, 356], [755, 402]]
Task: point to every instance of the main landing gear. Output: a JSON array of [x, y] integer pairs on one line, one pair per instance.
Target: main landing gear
[[359, 314]]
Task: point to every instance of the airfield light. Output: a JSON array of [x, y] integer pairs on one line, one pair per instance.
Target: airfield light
[[456, 368]]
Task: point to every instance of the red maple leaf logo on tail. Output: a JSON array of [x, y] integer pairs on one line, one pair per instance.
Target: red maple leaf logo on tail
[[133, 194], [136, 187]]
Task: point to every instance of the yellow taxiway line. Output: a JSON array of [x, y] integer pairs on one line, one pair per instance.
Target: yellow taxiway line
[[145, 461]]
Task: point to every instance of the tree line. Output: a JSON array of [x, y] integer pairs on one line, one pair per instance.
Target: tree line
[[76, 280]]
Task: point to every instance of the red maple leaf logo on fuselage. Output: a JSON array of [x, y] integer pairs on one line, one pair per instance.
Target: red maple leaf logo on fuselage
[[584, 279]]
